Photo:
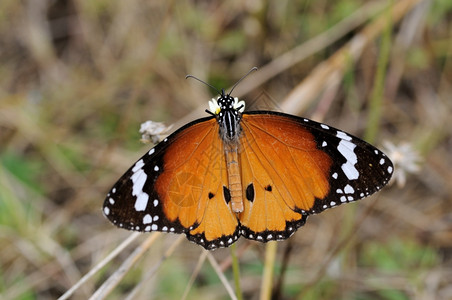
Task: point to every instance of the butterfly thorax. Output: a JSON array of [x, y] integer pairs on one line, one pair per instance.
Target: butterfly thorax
[[228, 112]]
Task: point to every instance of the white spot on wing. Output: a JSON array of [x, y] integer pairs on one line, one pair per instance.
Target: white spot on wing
[[138, 180], [348, 189], [147, 219], [106, 211], [142, 201], [343, 135], [151, 151], [347, 149], [350, 171], [324, 126], [138, 165]]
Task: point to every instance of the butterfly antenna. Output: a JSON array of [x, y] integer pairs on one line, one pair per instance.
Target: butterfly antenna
[[243, 77], [208, 84]]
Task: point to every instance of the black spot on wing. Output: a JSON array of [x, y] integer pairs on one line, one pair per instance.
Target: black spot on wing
[[227, 195], [250, 192]]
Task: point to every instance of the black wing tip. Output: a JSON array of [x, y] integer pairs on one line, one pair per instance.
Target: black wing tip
[[350, 192]]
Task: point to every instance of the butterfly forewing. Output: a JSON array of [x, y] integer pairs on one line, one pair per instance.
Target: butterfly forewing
[[178, 187], [313, 166], [133, 203]]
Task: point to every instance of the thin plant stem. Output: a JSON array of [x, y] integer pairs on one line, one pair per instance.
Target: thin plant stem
[[236, 272], [201, 260], [267, 279], [104, 290], [99, 266], [220, 274]]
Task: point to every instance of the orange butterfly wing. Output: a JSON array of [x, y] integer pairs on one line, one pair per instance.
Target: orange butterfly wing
[[288, 172], [178, 187], [289, 168]]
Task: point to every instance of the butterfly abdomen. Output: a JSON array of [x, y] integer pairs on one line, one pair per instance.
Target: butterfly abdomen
[[234, 178]]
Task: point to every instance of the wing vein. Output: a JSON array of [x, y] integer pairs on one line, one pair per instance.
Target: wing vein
[[275, 173]]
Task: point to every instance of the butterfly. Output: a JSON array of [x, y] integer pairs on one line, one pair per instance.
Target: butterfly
[[257, 174]]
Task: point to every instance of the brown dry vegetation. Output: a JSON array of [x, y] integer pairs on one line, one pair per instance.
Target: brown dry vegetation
[[77, 77]]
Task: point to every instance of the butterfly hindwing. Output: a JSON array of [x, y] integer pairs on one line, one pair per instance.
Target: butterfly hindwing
[[178, 187], [192, 186]]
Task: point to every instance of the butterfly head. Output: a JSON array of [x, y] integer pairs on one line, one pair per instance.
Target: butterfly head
[[228, 112], [225, 102]]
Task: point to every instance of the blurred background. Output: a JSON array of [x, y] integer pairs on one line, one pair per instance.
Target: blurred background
[[78, 77]]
